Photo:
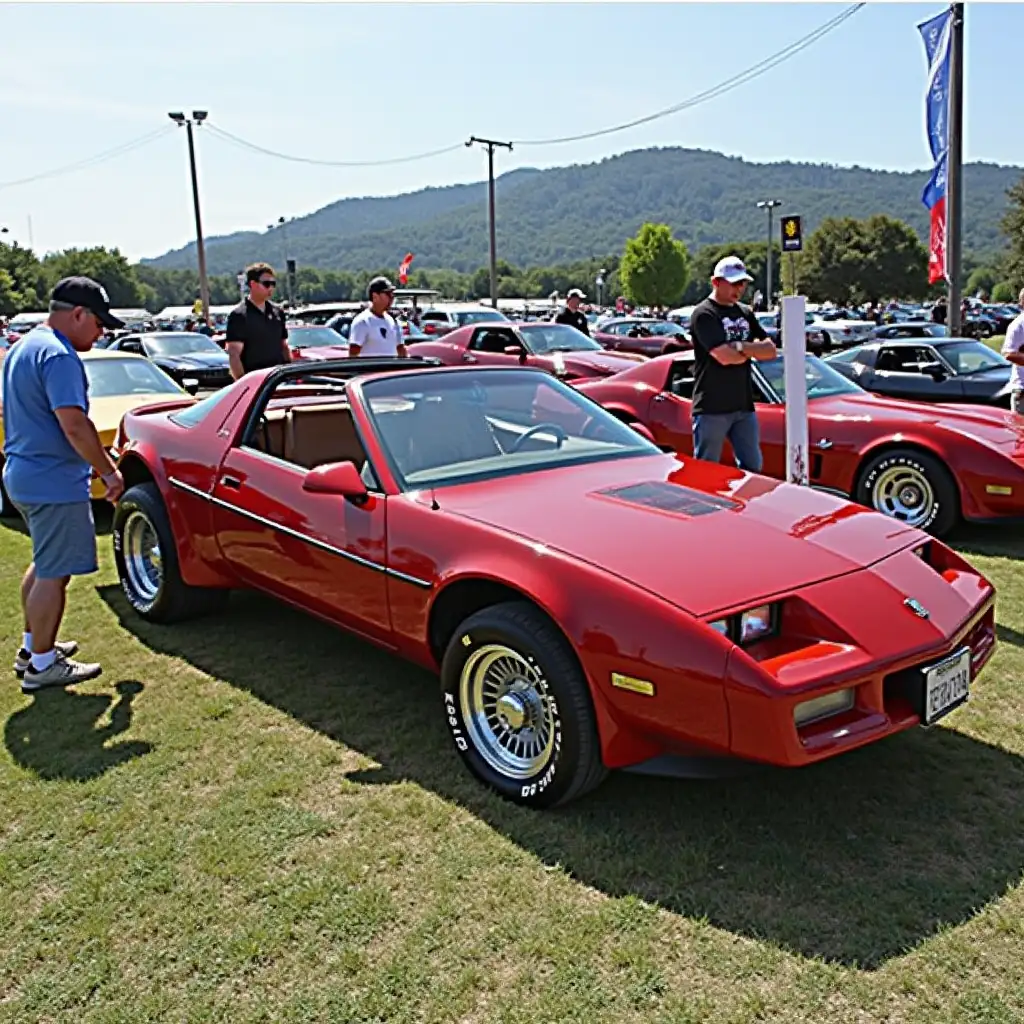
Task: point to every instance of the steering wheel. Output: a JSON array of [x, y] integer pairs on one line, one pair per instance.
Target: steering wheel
[[554, 428]]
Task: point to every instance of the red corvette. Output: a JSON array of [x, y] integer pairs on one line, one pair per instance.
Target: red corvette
[[557, 348], [927, 465], [590, 602]]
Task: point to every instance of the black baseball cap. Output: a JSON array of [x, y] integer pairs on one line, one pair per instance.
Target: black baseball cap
[[379, 284], [84, 291]]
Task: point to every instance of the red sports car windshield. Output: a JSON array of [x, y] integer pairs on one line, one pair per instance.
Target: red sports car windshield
[[822, 380], [542, 339], [451, 428]]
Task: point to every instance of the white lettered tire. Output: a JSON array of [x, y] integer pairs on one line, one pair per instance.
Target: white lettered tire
[[519, 708], [910, 486]]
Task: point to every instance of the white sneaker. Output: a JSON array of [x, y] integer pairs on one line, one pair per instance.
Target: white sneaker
[[24, 658], [63, 672]]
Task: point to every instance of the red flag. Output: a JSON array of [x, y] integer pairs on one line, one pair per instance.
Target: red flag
[[403, 269], [937, 242]]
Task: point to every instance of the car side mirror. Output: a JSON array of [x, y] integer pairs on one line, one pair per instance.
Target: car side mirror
[[936, 372], [339, 478], [516, 350], [191, 385]]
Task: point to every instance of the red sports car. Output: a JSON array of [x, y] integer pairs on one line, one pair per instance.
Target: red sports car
[[557, 348], [926, 465], [590, 602], [644, 335], [313, 344]]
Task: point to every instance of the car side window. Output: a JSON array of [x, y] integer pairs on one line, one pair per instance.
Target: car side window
[[488, 339], [680, 380], [310, 434]]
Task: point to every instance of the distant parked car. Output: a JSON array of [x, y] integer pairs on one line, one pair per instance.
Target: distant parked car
[[181, 355], [928, 370], [646, 336]]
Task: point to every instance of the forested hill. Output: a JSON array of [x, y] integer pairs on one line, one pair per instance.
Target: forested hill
[[569, 213]]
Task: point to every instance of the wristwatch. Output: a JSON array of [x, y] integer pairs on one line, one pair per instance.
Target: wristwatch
[[738, 345]]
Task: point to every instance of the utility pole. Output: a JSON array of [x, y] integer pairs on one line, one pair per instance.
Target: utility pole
[[954, 179], [491, 144], [769, 205], [198, 117]]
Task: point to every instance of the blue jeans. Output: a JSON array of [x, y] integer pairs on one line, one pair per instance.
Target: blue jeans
[[710, 431]]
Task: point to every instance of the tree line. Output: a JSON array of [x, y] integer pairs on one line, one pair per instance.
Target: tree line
[[845, 260]]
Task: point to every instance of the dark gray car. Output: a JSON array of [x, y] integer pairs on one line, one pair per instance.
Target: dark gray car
[[928, 369]]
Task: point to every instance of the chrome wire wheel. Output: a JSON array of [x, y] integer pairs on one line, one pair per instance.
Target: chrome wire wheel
[[508, 711], [904, 493], [142, 562]]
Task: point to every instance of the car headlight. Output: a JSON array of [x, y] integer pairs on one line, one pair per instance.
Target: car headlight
[[751, 625]]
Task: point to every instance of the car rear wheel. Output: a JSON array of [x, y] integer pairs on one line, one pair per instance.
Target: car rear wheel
[[519, 707], [911, 487], [147, 561]]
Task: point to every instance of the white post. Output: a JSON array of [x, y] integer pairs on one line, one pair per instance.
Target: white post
[[794, 350]]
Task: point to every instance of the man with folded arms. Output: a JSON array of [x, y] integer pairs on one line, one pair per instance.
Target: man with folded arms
[[50, 449]]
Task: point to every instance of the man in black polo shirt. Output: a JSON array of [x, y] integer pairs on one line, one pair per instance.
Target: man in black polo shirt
[[572, 314], [256, 333], [726, 336]]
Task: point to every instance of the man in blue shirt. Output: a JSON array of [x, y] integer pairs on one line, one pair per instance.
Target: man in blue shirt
[[50, 446]]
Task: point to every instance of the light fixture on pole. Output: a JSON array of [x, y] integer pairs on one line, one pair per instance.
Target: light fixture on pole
[[600, 287], [198, 117], [282, 223], [491, 144], [769, 205]]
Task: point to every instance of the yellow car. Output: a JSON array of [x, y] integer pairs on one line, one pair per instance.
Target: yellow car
[[118, 383]]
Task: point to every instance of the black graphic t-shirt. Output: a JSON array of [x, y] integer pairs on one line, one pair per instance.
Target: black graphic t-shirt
[[718, 388], [576, 319]]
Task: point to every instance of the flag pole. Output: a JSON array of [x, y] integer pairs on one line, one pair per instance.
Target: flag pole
[[954, 193]]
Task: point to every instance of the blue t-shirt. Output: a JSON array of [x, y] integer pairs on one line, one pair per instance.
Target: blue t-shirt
[[43, 372]]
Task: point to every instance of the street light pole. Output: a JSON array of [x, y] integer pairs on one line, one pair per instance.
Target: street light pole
[[282, 223], [600, 287], [198, 117], [491, 144], [769, 205]]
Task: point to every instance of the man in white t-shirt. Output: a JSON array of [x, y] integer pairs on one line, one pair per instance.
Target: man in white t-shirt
[[1013, 349], [375, 332]]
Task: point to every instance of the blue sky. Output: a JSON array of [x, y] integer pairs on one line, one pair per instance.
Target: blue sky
[[365, 82]]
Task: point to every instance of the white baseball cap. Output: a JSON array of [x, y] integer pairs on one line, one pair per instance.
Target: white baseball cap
[[731, 269]]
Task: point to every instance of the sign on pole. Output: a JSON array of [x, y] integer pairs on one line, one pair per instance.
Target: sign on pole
[[794, 357], [792, 234]]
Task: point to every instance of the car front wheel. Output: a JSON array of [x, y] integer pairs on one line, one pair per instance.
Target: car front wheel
[[147, 561], [911, 487], [519, 708]]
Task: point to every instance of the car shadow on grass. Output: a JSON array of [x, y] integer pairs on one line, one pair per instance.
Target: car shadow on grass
[[58, 736], [856, 861]]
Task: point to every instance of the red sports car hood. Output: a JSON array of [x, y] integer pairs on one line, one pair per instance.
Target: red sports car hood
[[998, 428], [702, 536], [591, 363]]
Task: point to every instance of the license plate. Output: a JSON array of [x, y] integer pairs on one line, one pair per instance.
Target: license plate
[[946, 685]]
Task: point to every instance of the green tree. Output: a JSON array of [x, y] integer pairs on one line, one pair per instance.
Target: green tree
[[851, 261], [11, 300], [106, 266], [29, 284], [1013, 228], [655, 267], [983, 279], [1003, 292]]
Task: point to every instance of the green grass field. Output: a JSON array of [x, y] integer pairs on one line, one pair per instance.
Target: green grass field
[[257, 818]]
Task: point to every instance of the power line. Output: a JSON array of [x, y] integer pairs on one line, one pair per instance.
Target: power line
[[723, 87], [227, 136], [92, 161]]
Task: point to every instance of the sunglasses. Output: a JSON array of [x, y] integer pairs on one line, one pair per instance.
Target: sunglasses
[[269, 283]]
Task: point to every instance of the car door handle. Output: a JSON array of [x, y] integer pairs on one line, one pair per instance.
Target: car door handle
[[467, 358], [659, 397], [231, 481]]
